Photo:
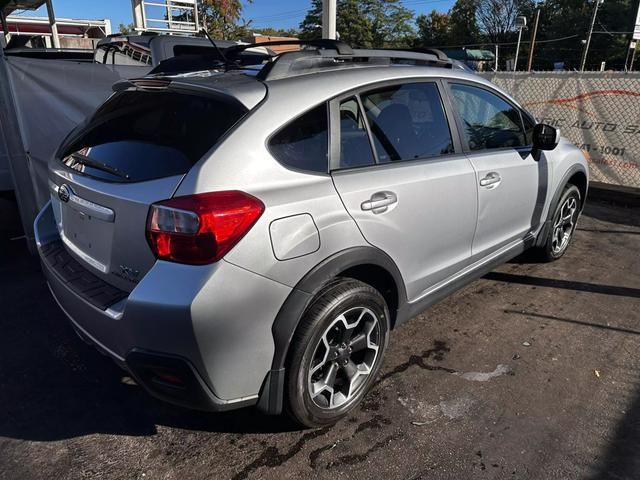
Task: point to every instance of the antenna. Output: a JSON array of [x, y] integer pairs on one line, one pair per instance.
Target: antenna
[[215, 46]]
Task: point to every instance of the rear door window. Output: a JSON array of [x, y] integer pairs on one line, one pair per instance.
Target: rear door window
[[355, 148], [407, 122], [137, 136]]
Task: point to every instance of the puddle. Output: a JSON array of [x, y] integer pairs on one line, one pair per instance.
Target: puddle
[[485, 377]]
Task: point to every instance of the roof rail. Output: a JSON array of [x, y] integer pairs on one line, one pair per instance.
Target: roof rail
[[325, 43], [310, 61]]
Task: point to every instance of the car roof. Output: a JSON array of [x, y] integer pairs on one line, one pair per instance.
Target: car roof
[[311, 86]]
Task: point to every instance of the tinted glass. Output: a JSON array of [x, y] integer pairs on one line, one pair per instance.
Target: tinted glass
[[355, 149], [407, 122], [139, 136], [529, 124], [304, 143], [488, 120]]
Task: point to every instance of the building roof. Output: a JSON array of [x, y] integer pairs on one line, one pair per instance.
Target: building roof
[[9, 6], [19, 24]]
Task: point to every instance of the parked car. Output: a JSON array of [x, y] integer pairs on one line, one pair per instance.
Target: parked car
[[236, 239], [152, 49]]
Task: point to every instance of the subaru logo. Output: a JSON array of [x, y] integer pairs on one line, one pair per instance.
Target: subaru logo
[[64, 193]]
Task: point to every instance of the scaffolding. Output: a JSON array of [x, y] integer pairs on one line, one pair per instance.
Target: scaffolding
[[9, 6], [177, 16]]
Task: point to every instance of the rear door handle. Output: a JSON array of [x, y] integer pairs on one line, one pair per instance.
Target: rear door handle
[[379, 202], [491, 179]]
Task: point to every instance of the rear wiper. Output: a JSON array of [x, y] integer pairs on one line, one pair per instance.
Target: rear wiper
[[90, 162]]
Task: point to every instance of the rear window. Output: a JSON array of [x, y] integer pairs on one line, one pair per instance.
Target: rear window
[[304, 143], [137, 136]]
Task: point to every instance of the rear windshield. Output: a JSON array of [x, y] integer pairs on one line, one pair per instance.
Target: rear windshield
[[137, 136]]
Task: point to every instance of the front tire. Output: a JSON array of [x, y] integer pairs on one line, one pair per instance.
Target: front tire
[[336, 353], [563, 225]]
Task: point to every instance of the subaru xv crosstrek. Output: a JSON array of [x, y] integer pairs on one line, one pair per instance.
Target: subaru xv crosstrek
[[238, 237]]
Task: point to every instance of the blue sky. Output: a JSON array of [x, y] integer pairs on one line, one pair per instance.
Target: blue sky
[[264, 13]]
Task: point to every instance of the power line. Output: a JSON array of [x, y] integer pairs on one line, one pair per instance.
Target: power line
[[508, 43]]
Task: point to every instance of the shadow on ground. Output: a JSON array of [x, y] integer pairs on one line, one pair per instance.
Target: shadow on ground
[[53, 386]]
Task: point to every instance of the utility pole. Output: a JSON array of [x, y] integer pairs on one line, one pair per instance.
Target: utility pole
[[533, 39], [329, 19], [521, 22], [586, 45], [632, 46], [497, 62]]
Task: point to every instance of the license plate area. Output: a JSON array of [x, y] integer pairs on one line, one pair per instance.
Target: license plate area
[[87, 236]]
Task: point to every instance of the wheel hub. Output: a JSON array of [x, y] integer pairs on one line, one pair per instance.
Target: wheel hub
[[564, 225], [344, 357]]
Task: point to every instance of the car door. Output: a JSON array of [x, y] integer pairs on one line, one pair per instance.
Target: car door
[[400, 173], [510, 181]]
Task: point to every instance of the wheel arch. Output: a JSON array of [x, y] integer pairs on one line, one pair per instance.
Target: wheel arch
[[365, 263], [575, 175]]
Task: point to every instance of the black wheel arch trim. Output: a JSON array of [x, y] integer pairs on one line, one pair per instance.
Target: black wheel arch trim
[[290, 314], [544, 231]]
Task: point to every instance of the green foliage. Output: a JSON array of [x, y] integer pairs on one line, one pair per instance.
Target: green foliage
[[126, 29], [222, 18], [434, 29], [464, 25], [562, 18], [364, 23], [458, 27]]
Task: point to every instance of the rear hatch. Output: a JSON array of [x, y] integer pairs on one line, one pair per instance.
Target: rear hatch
[[132, 152]]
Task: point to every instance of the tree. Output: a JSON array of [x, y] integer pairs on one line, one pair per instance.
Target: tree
[[571, 18], [364, 23], [463, 23], [126, 29], [497, 18], [391, 23], [222, 18], [434, 29]]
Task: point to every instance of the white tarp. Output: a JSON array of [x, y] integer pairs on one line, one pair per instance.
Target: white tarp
[[599, 112], [52, 97]]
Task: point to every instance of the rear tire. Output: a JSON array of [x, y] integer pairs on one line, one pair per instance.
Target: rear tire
[[336, 352], [563, 225]]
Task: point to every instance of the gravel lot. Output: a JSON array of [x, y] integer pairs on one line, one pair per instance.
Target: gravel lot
[[531, 372]]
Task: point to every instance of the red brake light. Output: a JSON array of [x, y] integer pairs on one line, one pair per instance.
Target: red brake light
[[201, 229]]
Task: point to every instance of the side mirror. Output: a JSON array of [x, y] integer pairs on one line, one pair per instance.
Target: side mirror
[[545, 137]]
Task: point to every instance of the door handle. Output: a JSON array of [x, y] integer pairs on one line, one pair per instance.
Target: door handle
[[491, 179], [379, 202]]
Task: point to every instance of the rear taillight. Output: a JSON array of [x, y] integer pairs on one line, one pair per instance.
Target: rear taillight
[[201, 229]]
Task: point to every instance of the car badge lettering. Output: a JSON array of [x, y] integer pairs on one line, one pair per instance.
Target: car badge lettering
[[64, 193]]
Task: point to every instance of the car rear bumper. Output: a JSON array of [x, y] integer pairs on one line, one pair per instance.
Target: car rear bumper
[[209, 326]]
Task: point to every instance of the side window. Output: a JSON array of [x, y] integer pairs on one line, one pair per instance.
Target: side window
[[355, 149], [304, 143], [529, 124], [407, 122], [488, 120]]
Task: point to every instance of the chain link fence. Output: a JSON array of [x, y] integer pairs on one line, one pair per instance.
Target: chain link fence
[[599, 112]]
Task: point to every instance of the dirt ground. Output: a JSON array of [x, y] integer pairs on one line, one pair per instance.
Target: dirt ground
[[531, 372]]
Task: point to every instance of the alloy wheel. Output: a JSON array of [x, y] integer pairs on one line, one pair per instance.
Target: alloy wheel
[[564, 224], [344, 357]]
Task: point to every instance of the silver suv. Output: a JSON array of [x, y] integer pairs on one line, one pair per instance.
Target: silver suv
[[242, 237]]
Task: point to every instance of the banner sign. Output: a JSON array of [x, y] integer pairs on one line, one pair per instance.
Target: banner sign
[[600, 113]]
